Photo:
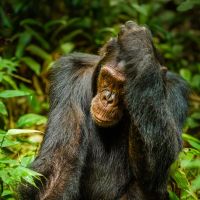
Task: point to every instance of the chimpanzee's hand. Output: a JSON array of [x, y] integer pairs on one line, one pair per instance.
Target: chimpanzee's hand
[[135, 41]]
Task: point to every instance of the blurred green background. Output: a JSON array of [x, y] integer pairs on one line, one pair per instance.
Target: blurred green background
[[34, 33]]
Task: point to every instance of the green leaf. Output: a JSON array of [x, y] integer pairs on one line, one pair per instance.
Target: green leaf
[[30, 180], [13, 93], [71, 35], [7, 143], [177, 49], [187, 5], [38, 37], [188, 154], [39, 52], [30, 21], [30, 120], [189, 137], [7, 193], [2, 74], [194, 142], [28, 171], [6, 22], [10, 81], [25, 161], [67, 47], [190, 163], [181, 179], [28, 174], [24, 39], [9, 161], [173, 196], [2, 132], [196, 115], [196, 183], [142, 9], [192, 123], [186, 74], [56, 22], [22, 131], [3, 110], [9, 65], [36, 106], [108, 30], [195, 82], [35, 66], [5, 176]]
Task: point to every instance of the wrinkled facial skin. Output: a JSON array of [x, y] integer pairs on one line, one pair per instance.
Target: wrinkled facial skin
[[107, 106]]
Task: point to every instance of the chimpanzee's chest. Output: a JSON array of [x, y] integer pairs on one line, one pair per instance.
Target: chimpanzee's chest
[[106, 173]]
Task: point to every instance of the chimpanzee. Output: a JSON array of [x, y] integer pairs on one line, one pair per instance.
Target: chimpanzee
[[114, 125]]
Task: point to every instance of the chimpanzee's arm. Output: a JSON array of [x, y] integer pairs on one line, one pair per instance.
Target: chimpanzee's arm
[[65, 143], [157, 106]]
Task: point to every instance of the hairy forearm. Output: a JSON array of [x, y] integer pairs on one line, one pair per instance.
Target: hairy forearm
[[151, 117]]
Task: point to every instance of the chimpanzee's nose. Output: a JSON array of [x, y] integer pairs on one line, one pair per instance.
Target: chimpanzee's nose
[[108, 97]]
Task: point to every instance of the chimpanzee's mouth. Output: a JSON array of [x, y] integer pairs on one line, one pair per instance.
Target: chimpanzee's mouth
[[103, 122]]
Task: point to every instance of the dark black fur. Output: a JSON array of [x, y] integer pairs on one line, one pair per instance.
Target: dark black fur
[[129, 161]]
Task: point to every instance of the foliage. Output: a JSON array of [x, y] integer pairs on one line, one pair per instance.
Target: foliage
[[13, 170], [35, 33], [185, 173]]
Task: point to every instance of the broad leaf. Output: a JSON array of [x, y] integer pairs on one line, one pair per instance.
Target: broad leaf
[[13, 93], [30, 120], [3, 110]]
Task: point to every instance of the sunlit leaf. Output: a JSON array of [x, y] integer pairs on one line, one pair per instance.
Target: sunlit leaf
[[22, 131], [25, 161], [3, 110], [7, 193], [28, 174], [190, 163], [13, 93], [10, 81], [30, 180], [67, 47], [196, 183], [108, 30], [30, 120], [2, 132], [142, 9], [9, 161], [4, 176], [39, 52], [9, 65], [186, 74], [36, 106], [7, 143], [194, 142], [181, 179]]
